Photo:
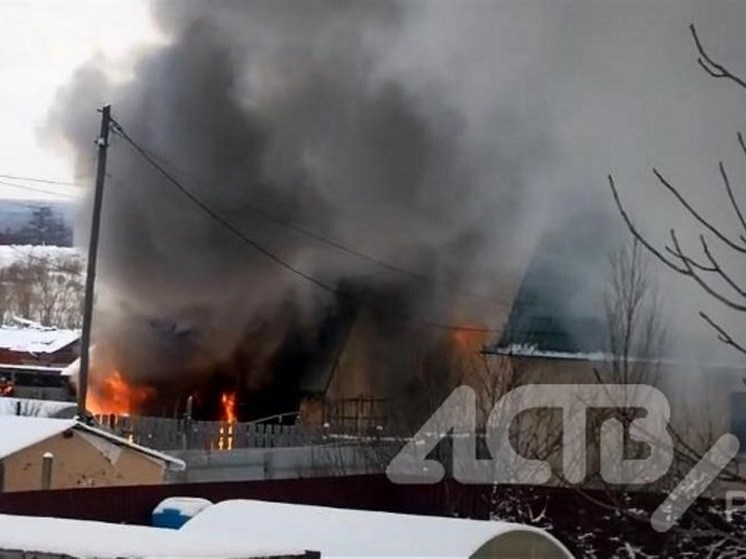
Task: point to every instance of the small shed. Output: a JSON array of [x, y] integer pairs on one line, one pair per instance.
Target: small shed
[[78, 455], [348, 533]]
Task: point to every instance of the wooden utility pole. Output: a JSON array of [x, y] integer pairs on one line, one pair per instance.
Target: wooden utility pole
[[90, 279]]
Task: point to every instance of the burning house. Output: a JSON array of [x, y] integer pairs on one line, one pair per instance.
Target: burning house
[[348, 222], [353, 369], [326, 221]]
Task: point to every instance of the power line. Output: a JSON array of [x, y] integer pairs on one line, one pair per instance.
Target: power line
[[311, 234], [39, 190], [151, 159], [214, 215], [39, 180], [323, 239]]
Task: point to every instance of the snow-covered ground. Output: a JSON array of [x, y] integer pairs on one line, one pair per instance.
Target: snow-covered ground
[[12, 254], [80, 538]]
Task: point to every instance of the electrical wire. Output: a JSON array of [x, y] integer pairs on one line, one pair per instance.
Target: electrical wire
[[308, 233], [269, 216], [214, 215], [152, 160], [40, 180], [38, 190]]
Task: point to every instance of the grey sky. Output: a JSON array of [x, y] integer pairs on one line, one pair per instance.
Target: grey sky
[[41, 45]]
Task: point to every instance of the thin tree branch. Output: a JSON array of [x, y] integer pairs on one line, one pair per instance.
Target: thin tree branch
[[710, 66], [688, 265], [689, 271], [723, 336], [719, 270], [714, 266], [714, 230], [632, 229], [694, 264], [743, 149], [730, 195], [741, 143]]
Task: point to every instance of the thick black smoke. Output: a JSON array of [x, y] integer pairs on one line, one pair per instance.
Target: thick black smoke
[[285, 107], [439, 137]]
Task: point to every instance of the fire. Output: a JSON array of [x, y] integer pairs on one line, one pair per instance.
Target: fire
[[112, 395], [228, 403], [6, 387], [470, 338]]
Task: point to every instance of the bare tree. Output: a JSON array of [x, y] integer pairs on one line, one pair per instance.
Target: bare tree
[[5, 295], [46, 289], [710, 272], [704, 268], [635, 326], [22, 289], [535, 433]]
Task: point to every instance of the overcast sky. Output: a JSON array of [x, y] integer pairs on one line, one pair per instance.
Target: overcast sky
[[611, 78], [537, 101], [42, 43]]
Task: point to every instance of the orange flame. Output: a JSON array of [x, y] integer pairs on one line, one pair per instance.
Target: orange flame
[[228, 403], [225, 434], [112, 395], [470, 338]]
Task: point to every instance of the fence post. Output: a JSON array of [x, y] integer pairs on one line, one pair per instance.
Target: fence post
[[46, 470], [187, 425]]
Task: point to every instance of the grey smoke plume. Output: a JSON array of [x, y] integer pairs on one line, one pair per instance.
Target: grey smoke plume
[[439, 137], [283, 106]]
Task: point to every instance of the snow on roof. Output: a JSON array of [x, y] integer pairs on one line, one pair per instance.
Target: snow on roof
[[532, 350], [19, 432], [83, 538], [36, 339], [344, 532], [12, 368], [174, 463], [187, 506]]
